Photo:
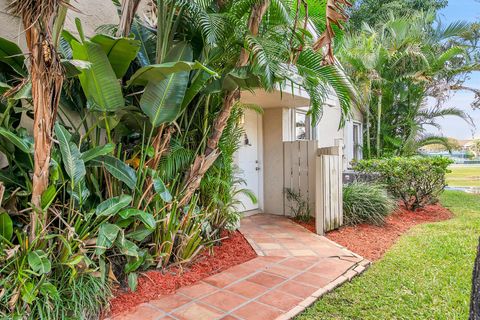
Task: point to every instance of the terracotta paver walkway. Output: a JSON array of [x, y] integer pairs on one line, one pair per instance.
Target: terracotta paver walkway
[[294, 268]]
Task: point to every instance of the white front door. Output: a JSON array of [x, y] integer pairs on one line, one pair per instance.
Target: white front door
[[249, 162]]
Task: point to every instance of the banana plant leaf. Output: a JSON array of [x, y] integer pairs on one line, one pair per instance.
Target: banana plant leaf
[[6, 227], [4, 87], [161, 189], [147, 218], [48, 196], [139, 234], [240, 78], [21, 143], [120, 51], [159, 72], [12, 55], [147, 38], [99, 82], [127, 247], [71, 156], [107, 234], [199, 82], [39, 262], [25, 92], [111, 206], [118, 169], [96, 152], [162, 100], [74, 67]]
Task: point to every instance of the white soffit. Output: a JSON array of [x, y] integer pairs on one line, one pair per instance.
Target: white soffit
[[277, 98]]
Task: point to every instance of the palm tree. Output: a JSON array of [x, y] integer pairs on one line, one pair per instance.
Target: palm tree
[[397, 66], [269, 57], [46, 77], [363, 60]]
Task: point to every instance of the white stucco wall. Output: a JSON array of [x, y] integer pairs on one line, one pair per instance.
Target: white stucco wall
[[94, 13], [278, 127], [273, 160]]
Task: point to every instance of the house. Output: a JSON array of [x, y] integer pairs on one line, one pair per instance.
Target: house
[[268, 154], [262, 157]]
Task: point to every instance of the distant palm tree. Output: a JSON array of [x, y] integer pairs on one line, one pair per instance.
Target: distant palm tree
[[396, 67]]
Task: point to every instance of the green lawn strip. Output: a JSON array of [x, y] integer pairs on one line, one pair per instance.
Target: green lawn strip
[[463, 183], [425, 275], [463, 176]]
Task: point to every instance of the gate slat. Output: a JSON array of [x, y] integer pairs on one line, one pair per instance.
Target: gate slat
[[303, 170], [295, 166], [287, 175], [312, 152]]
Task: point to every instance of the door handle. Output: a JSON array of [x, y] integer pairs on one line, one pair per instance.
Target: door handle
[[257, 168]]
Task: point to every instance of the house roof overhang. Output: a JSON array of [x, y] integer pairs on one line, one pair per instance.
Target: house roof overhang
[[281, 97]]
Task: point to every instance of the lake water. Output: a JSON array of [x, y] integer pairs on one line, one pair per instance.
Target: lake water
[[475, 190]]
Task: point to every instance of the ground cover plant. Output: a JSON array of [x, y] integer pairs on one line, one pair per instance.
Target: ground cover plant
[[299, 207], [366, 203], [134, 134], [416, 181], [427, 274]]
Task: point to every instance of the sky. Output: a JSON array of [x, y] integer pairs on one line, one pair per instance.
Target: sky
[[466, 10]]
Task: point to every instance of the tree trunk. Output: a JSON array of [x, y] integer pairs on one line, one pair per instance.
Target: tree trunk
[[204, 161], [47, 80], [475, 297], [379, 125], [369, 147], [46, 75], [129, 8]]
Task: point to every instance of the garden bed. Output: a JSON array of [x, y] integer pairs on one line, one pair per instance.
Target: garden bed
[[233, 250], [371, 242]]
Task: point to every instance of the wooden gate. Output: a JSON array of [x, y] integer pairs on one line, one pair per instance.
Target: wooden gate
[[299, 172], [329, 188], [316, 175]]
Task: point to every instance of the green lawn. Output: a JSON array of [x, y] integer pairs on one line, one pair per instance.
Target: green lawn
[[464, 176], [426, 275]]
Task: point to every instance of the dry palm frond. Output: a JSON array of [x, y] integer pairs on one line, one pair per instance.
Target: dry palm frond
[[150, 14], [129, 9], [335, 14]]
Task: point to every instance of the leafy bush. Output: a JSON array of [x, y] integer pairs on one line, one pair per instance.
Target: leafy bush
[[416, 181], [366, 203]]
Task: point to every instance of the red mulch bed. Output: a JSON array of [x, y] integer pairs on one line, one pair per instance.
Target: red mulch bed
[[310, 225], [233, 251], [372, 242]]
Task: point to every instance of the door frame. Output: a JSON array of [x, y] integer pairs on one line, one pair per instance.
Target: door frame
[[260, 162]]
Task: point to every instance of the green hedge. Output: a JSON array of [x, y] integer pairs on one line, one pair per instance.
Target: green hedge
[[416, 181]]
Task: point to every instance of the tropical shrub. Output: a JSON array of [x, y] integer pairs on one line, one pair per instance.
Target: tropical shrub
[[366, 203], [416, 181]]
